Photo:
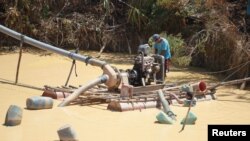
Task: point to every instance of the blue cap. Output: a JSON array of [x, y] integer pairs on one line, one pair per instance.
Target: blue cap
[[156, 37]]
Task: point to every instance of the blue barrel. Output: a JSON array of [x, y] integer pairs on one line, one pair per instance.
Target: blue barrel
[[191, 118], [67, 133], [13, 116], [164, 118], [38, 102]]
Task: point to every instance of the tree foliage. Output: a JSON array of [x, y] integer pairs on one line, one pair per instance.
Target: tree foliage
[[199, 31]]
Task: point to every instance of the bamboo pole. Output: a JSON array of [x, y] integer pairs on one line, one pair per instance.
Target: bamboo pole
[[237, 81], [71, 69], [19, 59], [23, 85], [185, 120]]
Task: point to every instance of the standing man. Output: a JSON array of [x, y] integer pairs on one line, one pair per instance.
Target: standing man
[[162, 47]]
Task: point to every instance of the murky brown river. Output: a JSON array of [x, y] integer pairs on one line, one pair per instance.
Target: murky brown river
[[95, 123]]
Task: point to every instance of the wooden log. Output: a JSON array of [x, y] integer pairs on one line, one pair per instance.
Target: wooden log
[[130, 106], [50, 88], [22, 85], [55, 94], [237, 81]]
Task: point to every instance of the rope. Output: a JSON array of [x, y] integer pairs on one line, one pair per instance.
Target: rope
[[235, 71], [229, 76], [72, 66], [74, 61], [216, 72]]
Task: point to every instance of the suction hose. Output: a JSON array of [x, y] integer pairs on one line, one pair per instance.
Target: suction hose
[[76, 93]]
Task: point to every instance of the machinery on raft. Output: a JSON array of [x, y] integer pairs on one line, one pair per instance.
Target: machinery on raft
[[146, 68], [123, 90]]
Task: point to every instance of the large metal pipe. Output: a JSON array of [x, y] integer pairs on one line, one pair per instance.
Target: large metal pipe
[[45, 46], [76, 93], [107, 69]]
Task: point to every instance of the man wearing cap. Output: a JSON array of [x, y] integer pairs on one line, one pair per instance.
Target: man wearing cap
[[162, 47]]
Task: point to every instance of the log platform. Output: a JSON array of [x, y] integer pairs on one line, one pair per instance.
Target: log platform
[[125, 99]]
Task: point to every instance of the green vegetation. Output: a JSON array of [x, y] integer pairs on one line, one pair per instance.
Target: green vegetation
[[203, 33]]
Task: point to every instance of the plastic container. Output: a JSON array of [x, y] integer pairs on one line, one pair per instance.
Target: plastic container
[[38, 102], [190, 119], [163, 118], [66, 133], [187, 88], [13, 116]]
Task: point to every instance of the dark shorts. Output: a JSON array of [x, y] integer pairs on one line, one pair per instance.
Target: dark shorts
[[167, 63]]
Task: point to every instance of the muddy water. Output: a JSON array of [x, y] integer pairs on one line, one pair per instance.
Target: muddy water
[[95, 123]]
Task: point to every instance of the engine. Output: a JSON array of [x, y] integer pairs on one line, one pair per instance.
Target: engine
[[146, 68]]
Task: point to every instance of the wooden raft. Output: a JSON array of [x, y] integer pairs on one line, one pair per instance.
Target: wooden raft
[[126, 99]]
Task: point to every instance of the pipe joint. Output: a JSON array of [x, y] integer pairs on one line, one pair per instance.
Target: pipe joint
[[113, 77], [104, 78], [70, 55], [87, 60]]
